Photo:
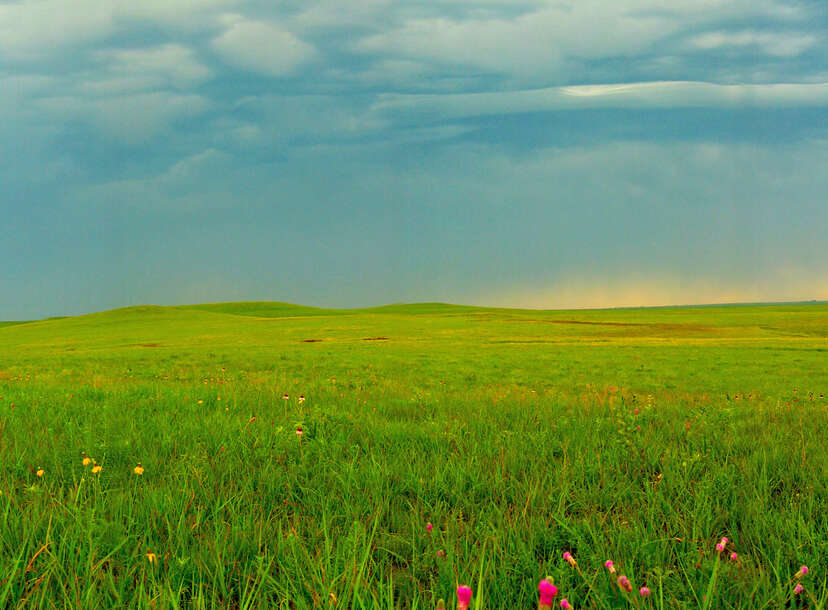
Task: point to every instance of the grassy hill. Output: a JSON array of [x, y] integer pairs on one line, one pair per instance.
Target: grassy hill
[[638, 435]]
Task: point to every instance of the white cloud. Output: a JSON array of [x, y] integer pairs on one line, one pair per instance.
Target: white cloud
[[133, 118], [182, 13], [780, 44], [162, 67], [262, 47], [34, 29], [544, 41], [626, 95]]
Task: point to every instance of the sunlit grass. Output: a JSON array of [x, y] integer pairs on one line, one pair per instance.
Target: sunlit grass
[[517, 435]]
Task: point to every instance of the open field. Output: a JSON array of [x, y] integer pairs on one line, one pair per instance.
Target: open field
[[641, 436]]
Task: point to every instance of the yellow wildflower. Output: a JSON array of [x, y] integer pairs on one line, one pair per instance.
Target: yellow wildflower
[[40, 472], [138, 469], [151, 557], [86, 460], [96, 469]]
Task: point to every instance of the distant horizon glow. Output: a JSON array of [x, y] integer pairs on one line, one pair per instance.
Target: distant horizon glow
[[538, 154]]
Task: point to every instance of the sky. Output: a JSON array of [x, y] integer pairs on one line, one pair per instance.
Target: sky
[[526, 153]]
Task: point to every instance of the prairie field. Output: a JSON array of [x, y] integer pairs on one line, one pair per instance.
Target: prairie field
[[266, 455]]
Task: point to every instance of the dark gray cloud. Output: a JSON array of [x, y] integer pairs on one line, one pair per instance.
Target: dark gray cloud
[[376, 151]]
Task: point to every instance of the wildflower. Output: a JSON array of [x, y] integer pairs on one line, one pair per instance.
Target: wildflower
[[251, 420], [734, 556], [464, 594], [429, 527], [152, 558], [96, 469], [333, 599], [201, 402], [625, 583], [644, 591], [609, 566], [802, 571], [441, 604], [138, 469], [299, 431], [441, 553], [285, 397], [798, 588], [569, 559], [565, 604], [719, 547], [86, 460], [40, 472], [301, 398], [547, 591]]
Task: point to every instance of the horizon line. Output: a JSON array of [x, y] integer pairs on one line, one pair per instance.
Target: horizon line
[[412, 303]]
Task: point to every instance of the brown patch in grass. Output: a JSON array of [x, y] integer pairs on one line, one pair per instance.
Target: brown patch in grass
[[376, 339]]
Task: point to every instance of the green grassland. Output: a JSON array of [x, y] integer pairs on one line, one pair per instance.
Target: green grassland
[[637, 435]]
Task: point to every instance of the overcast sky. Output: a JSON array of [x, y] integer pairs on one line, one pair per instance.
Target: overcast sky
[[541, 153]]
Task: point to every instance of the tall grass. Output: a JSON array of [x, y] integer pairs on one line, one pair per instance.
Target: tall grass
[[512, 462]]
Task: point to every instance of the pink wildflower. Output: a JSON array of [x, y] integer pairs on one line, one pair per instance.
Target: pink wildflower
[[719, 547], [802, 571], [547, 591], [625, 583], [609, 566], [565, 604], [644, 591], [441, 553], [734, 556], [464, 594], [569, 559], [429, 527], [798, 588]]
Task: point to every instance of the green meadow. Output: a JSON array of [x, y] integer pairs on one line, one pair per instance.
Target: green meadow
[[643, 436]]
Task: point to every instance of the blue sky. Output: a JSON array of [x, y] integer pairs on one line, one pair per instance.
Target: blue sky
[[560, 153]]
